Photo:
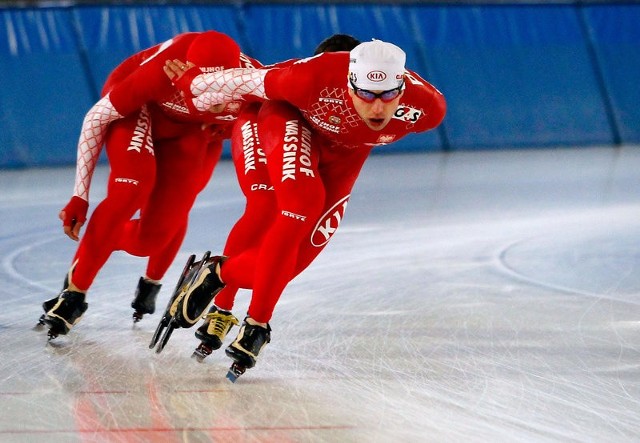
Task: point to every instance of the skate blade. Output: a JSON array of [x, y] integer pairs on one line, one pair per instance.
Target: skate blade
[[40, 325], [201, 352], [56, 328], [166, 336], [235, 371], [51, 335], [164, 322], [198, 356], [137, 316]]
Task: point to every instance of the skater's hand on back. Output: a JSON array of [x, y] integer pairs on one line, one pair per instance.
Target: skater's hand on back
[[73, 217], [175, 69]]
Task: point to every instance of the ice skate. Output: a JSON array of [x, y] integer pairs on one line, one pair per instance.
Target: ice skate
[[66, 311], [213, 331], [194, 292], [166, 322], [144, 301], [47, 305], [245, 349], [196, 297]]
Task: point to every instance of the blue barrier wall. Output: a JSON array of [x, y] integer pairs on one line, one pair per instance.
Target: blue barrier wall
[[615, 33], [108, 35], [513, 75], [44, 91]]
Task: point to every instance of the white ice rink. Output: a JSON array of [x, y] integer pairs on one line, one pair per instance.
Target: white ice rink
[[469, 297]]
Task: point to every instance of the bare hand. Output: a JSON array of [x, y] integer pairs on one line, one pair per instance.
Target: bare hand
[[72, 231], [73, 216], [175, 69]]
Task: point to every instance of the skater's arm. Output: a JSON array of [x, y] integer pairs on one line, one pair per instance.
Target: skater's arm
[[215, 88], [94, 127]]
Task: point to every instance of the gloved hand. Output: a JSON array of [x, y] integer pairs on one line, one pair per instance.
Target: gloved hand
[[73, 217]]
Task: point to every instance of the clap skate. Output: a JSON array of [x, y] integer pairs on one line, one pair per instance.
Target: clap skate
[[244, 350], [212, 333], [188, 273], [47, 305], [195, 290], [144, 301], [66, 311]]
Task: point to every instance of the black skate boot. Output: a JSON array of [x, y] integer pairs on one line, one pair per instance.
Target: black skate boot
[[213, 331], [47, 305], [194, 299], [245, 348], [144, 301], [65, 313]]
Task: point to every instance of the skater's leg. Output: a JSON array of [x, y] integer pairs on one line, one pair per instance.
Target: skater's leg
[[184, 168], [245, 237], [130, 181], [339, 174], [226, 298], [250, 163], [247, 234], [300, 195], [337, 177], [304, 195]]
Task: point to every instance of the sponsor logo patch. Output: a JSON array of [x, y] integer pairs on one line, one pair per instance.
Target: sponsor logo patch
[[377, 76], [407, 114], [328, 223], [386, 138], [261, 187], [294, 215], [206, 69], [126, 180], [335, 101]]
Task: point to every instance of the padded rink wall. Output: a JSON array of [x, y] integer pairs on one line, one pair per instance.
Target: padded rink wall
[[514, 75]]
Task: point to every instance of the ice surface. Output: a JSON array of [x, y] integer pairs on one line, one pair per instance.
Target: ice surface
[[467, 297]]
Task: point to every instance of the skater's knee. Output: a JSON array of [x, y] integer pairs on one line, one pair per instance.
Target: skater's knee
[[155, 237], [306, 201], [124, 201]]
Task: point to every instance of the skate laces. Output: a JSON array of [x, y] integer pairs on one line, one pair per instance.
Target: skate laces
[[220, 323]]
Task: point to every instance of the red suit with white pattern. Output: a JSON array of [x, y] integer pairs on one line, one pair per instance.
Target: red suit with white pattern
[[161, 150], [315, 145]]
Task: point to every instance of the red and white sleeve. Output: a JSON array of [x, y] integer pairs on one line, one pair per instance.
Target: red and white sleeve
[[225, 86], [94, 128]]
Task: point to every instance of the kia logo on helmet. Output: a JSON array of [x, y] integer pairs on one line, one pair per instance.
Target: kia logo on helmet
[[377, 76]]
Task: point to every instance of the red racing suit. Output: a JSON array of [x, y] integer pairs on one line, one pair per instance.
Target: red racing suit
[[161, 151], [297, 159]]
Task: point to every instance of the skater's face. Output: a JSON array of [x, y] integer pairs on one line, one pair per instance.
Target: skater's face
[[375, 108]]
